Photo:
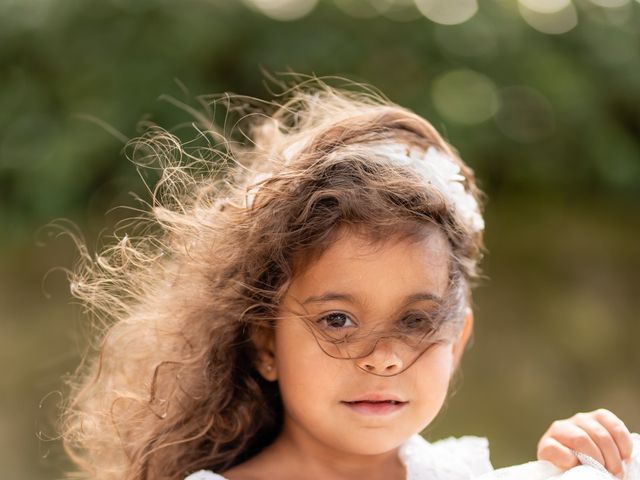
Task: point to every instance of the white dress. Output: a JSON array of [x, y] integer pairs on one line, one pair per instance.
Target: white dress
[[467, 458]]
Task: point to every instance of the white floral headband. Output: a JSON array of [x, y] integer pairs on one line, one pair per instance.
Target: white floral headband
[[437, 168], [443, 173]]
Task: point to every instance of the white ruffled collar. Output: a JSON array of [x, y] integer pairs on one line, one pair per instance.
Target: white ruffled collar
[[461, 458]]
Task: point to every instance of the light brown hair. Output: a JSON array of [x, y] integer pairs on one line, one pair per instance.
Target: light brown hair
[[172, 387]]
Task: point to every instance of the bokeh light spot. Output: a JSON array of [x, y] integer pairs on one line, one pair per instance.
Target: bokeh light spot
[[545, 6], [610, 3], [447, 12], [465, 97], [555, 23], [284, 10]]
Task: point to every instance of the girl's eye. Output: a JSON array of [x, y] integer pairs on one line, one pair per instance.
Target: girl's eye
[[336, 320], [416, 323]]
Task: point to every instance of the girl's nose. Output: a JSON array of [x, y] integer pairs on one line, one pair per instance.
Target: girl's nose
[[383, 360]]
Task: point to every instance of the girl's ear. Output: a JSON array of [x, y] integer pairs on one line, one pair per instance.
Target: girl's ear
[[461, 343], [264, 341]]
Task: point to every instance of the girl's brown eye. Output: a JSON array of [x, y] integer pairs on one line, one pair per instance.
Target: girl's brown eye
[[415, 322], [336, 320]]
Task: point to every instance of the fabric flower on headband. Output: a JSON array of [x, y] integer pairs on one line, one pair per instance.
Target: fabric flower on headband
[[441, 171]]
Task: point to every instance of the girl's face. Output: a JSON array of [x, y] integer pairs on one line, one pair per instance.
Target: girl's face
[[346, 404]]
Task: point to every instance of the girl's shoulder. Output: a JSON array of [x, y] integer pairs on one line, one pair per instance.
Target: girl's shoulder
[[448, 459]]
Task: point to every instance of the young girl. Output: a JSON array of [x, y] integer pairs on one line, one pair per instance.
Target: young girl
[[299, 311]]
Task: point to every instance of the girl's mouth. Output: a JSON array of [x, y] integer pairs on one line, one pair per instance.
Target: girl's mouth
[[375, 407]]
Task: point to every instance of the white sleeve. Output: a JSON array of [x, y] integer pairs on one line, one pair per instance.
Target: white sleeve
[[204, 475]]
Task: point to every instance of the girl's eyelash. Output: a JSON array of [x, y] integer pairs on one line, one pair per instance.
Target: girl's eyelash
[[412, 319], [326, 319]]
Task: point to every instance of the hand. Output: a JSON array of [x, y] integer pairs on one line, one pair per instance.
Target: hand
[[599, 434]]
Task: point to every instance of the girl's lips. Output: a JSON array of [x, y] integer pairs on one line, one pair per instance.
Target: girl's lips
[[368, 407]]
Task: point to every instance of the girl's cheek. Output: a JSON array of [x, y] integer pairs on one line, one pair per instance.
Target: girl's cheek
[[437, 366], [439, 357]]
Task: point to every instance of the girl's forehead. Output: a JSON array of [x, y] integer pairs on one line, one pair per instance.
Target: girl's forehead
[[358, 246], [355, 263], [363, 243], [358, 241]]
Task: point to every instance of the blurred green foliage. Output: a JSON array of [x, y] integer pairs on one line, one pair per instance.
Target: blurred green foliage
[[550, 123]]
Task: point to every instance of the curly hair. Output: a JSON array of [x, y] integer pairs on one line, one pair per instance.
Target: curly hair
[[171, 386]]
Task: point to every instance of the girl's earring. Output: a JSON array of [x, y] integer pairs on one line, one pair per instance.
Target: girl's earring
[[269, 372]]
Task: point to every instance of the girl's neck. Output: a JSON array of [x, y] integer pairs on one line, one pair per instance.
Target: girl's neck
[[297, 451]]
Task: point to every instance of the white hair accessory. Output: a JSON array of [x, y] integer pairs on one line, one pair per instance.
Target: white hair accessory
[[441, 171], [436, 167]]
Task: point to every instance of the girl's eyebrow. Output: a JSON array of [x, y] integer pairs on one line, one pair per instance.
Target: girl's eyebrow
[[330, 296], [346, 297]]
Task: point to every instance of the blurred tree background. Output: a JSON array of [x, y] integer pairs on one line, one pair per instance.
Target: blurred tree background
[[541, 97]]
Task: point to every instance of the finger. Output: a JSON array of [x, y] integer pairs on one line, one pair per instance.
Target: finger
[[603, 440], [618, 430], [553, 451], [572, 436]]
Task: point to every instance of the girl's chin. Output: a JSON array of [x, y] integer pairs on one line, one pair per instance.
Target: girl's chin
[[371, 442]]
